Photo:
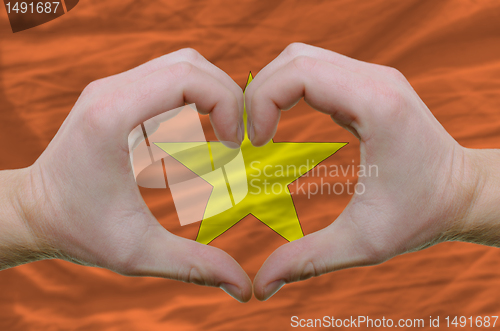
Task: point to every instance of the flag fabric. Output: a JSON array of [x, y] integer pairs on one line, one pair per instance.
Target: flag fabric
[[448, 50]]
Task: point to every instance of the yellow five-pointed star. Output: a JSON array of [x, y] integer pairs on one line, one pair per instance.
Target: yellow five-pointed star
[[266, 173]]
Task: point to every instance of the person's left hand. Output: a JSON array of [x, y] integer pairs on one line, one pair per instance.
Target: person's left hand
[[81, 202]]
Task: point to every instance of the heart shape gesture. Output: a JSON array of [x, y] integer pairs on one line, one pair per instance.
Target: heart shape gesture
[[79, 201]]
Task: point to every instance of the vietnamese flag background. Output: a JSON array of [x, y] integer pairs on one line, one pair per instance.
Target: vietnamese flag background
[[448, 50]]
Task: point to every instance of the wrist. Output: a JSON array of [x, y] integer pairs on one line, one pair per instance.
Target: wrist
[[480, 221], [19, 243]]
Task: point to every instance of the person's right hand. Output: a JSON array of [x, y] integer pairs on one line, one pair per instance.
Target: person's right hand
[[424, 188]]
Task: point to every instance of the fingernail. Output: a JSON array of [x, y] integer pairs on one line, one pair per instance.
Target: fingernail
[[241, 131], [230, 144], [251, 130], [272, 288], [232, 290]]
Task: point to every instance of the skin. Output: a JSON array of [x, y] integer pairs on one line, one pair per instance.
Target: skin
[[79, 201], [429, 188]]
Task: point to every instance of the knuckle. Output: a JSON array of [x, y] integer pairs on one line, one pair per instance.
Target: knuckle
[[191, 274], [390, 100], [295, 49], [310, 269], [97, 115], [394, 74], [304, 63], [181, 69], [391, 97], [93, 88], [190, 54], [194, 276]]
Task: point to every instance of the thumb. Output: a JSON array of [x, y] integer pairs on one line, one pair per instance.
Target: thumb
[[166, 255], [332, 248]]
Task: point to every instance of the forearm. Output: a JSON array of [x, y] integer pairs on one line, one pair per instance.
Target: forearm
[[481, 223], [18, 244]]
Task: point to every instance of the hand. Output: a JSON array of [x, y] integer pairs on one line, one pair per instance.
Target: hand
[[426, 181], [80, 200]]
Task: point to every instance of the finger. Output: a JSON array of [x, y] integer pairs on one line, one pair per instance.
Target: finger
[[184, 55], [300, 49], [343, 94], [166, 255], [329, 249], [169, 88]]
